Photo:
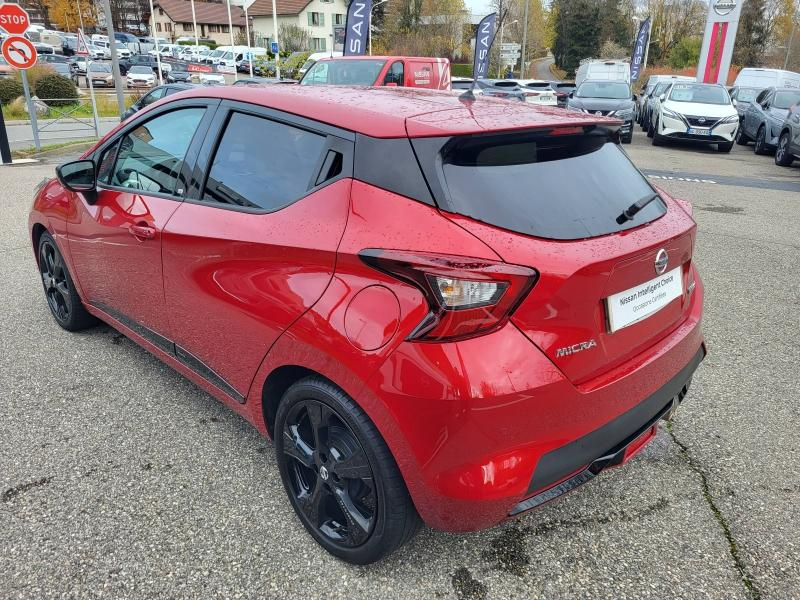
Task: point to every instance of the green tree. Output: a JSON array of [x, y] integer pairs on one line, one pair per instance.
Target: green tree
[[576, 33], [686, 53], [753, 35]]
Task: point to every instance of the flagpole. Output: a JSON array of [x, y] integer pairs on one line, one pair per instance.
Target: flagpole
[[230, 30], [249, 49], [275, 30], [194, 24], [155, 40]]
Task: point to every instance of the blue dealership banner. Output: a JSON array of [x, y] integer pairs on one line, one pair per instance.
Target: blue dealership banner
[[639, 55], [357, 27], [483, 43]]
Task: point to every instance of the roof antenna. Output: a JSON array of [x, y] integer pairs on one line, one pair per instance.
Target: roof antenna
[[484, 38]]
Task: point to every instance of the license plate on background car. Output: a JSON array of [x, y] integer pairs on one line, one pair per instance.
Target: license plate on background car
[[693, 131], [641, 301]]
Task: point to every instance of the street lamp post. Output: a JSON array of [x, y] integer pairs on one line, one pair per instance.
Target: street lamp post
[[194, 24]]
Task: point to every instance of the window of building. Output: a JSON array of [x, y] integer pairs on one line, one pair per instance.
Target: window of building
[[151, 156], [224, 28], [241, 176], [187, 26], [318, 44], [161, 12], [338, 19], [167, 26], [316, 19], [158, 27]]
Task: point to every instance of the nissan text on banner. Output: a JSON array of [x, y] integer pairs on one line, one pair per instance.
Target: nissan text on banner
[[483, 43], [357, 27], [640, 49]]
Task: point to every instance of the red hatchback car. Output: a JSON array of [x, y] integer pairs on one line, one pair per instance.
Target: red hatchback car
[[440, 310]]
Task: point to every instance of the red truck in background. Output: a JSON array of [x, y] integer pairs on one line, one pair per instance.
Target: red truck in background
[[400, 71]]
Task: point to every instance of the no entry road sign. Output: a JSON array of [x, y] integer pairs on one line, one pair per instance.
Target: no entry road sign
[[19, 52], [14, 19]]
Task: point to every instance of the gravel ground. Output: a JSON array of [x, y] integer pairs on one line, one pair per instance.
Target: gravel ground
[[118, 478]]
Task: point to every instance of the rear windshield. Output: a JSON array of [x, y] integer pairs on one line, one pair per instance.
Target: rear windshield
[[559, 187], [343, 72], [747, 94]]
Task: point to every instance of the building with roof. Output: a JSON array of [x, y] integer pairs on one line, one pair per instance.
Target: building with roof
[[173, 20], [318, 17]]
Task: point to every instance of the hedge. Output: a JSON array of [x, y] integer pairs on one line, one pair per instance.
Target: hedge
[[9, 90], [56, 90], [461, 70]]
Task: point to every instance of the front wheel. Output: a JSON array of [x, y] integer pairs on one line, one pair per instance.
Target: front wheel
[[742, 138], [340, 476], [783, 158], [760, 146], [59, 290]]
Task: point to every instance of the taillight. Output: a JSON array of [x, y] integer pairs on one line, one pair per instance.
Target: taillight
[[466, 296], [531, 93]]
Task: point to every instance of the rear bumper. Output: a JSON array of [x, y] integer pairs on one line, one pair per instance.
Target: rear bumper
[[562, 470], [482, 428]]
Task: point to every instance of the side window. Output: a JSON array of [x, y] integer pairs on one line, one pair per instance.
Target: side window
[[152, 97], [242, 175], [395, 74], [151, 156]]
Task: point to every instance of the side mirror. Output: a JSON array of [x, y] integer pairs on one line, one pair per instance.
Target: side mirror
[[78, 176], [571, 95], [662, 97], [733, 101]]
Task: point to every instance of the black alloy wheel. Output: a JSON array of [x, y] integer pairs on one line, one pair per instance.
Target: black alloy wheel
[[761, 141], [329, 472], [59, 290], [783, 158], [340, 476], [54, 279]]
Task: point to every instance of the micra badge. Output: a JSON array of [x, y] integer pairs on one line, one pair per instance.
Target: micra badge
[[575, 348]]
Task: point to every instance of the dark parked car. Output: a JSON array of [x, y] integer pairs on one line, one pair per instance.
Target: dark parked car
[[157, 93], [179, 77], [54, 58], [645, 112], [789, 139], [608, 99], [764, 118], [144, 60], [362, 316]]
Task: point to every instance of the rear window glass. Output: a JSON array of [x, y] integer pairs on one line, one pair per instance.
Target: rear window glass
[[786, 99], [557, 187]]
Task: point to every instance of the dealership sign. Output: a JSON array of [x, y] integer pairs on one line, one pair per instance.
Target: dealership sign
[[483, 44], [716, 50], [359, 14], [640, 49]]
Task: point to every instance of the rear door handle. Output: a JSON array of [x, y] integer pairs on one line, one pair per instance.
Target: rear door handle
[[142, 232]]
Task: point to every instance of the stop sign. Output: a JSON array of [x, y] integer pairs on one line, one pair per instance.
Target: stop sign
[[13, 19]]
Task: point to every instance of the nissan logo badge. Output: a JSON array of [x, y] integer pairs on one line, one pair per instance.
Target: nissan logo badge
[[662, 259]]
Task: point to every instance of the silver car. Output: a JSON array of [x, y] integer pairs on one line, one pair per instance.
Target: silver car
[[764, 118], [788, 148]]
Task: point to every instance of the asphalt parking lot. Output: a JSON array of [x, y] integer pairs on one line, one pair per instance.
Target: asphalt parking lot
[[118, 478]]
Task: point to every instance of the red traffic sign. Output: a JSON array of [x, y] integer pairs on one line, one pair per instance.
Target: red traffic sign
[[82, 49], [19, 52], [14, 19]]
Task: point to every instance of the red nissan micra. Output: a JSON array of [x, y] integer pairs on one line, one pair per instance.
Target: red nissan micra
[[441, 310]]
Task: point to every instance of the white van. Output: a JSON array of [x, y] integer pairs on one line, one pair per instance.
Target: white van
[[764, 78], [314, 58], [232, 56], [603, 70]]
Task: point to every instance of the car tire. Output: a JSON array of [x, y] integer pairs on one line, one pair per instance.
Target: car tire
[[627, 139], [62, 298], [724, 146], [742, 139], [644, 122], [657, 139], [783, 158], [650, 129], [760, 146], [359, 518]]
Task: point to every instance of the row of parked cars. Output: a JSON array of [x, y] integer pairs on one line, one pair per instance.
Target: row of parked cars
[[762, 107]]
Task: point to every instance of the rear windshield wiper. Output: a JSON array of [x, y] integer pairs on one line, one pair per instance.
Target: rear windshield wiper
[[630, 212]]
